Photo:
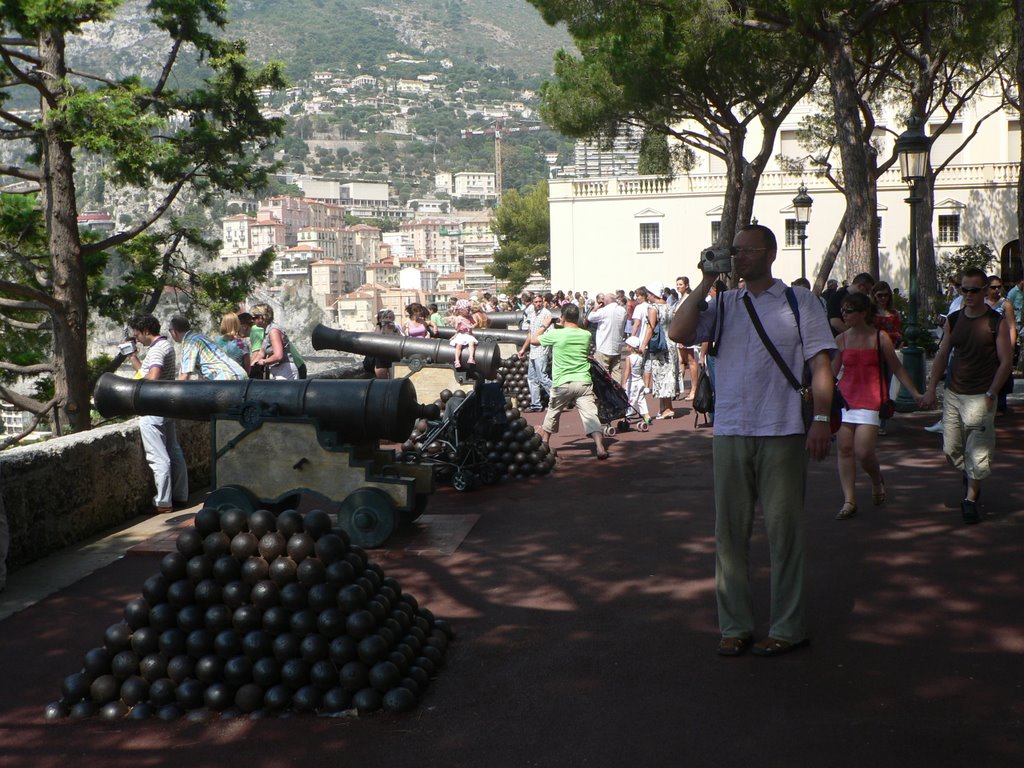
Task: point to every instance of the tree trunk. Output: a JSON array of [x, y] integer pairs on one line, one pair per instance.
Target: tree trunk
[[1018, 33], [70, 321], [861, 245], [731, 202], [927, 280], [828, 261]]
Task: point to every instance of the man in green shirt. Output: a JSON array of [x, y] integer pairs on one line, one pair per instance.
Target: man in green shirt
[[571, 385]]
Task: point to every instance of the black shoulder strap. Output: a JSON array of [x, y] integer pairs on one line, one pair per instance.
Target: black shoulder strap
[[719, 317], [771, 347]]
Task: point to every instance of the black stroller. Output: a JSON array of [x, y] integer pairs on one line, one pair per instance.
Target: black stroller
[[456, 444], [613, 403]]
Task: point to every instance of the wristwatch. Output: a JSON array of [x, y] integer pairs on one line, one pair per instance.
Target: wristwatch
[[822, 418], [989, 395]]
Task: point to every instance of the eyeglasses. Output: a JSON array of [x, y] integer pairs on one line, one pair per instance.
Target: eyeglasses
[[883, 295], [965, 289], [850, 310], [258, 317], [996, 287]]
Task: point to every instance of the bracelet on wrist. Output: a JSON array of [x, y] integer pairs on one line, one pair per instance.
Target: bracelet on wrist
[[820, 417]]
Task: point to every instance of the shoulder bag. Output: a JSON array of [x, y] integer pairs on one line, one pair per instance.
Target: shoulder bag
[[887, 408]]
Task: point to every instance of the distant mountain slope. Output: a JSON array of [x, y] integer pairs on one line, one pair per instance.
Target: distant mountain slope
[[319, 34]]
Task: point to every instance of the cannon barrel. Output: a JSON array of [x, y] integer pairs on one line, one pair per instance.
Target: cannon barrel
[[503, 319], [394, 347], [358, 410], [506, 335]]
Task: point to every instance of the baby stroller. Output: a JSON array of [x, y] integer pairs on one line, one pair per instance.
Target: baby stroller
[[456, 444], [612, 402]]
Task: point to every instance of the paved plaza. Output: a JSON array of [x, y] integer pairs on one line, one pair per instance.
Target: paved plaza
[[586, 623]]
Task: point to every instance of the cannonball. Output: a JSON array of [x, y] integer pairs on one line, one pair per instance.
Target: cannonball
[[136, 612], [399, 699], [343, 535], [384, 676], [367, 700], [321, 596], [181, 668], [218, 697], [236, 594], [398, 658], [283, 570], [286, 646], [141, 711], [342, 650], [340, 572], [323, 674], [117, 637], [310, 572], [75, 687], [265, 594], [83, 709], [207, 520], [360, 623], [277, 698], [244, 545], [96, 662], [257, 644], [134, 690], [249, 697], [145, 641], [272, 545], [199, 567], [303, 622], [170, 712], [246, 618], [216, 544], [238, 671], [317, 523], [191, 617], [295, 673], [190, 694], [354, 676], [294, 596], [433, 653], [190, 542], [199, 642], [253, 570], [331, 623], [409, 684], [155, 589], [217, 618], [276, 620], [351, 598], [266, 672], [210, 669], [180, 593], [261, 522], [114, 710], [335, 700], [233, 521], [227, 644], [306, 699], [289, 523], [153, 667], [365, 583], [208, 592], [124, 665], [420, 675]]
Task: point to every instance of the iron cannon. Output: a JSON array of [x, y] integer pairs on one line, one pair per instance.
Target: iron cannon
[[395, 348], [501, 335]]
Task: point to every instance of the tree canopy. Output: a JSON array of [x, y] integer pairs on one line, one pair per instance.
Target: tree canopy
[[522, 224], [141, 133]]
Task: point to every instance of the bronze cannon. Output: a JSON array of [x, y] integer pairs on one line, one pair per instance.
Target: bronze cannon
[[275, 441], [395, 348]]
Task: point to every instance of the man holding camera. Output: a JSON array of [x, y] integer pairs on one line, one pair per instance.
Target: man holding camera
[[607, 320], [760, 445], [159, 437]]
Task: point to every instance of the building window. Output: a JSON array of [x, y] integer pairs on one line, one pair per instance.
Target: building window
[[716, 230], [949, 228], [650, 236], [792, 233]]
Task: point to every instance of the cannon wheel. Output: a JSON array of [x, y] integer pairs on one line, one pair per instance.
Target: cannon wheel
[[609, 431], [367, 517], [463, 480], [236, 496]]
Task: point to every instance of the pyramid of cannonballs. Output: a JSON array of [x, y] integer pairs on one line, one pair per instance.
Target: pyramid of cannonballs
[[257, 613]]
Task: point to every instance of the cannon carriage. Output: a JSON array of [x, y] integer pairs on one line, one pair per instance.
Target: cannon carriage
[[274, 441]]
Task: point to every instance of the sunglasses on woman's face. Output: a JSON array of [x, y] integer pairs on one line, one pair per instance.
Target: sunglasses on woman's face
[[996, 287]]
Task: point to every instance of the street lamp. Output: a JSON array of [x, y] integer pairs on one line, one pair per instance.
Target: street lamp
[[912, 148], [802, 209]]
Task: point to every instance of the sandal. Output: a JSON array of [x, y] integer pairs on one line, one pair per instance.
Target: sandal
[[772, 646], [848, 510], [733, 646], [878, 493]]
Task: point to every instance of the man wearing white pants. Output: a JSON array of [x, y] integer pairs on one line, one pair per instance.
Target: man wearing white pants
[[159, 436]]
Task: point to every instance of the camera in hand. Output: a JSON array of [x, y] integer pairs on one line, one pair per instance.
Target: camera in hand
[[717, 259]]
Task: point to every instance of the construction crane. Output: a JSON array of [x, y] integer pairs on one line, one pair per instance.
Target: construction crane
[[498, 130]]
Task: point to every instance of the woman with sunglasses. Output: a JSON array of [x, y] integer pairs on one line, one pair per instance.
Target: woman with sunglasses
[[887, 319], [863, 353], [997, 300]]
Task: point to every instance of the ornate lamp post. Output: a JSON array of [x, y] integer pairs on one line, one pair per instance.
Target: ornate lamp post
[[912, 148], [802, 209]]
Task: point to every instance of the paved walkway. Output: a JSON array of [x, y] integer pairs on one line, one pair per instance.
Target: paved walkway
[[585, 611]]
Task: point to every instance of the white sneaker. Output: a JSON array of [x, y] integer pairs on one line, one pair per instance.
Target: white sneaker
[[936, 427]]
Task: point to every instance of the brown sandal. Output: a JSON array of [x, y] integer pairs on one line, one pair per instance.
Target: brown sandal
[[848, 510], [773, 646], [733, 646]]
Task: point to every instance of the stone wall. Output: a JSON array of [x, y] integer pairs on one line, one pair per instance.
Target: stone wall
[[61, 491]]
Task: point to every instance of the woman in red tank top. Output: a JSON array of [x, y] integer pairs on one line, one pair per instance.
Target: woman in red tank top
[[862, 348]]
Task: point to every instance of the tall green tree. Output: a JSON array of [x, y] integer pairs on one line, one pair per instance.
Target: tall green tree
[[523, 226], [146, 133], [683, 69]]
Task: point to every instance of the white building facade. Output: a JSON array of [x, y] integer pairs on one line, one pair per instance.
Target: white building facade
[[622, 231]]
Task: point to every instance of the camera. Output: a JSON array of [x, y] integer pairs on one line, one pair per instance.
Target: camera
[[127, 346], [717, 259]]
